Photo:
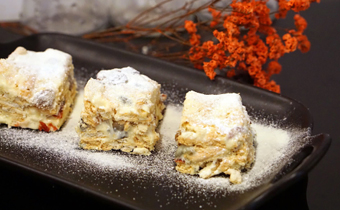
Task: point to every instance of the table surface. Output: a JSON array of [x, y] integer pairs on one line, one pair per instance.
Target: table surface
[[312, 78]]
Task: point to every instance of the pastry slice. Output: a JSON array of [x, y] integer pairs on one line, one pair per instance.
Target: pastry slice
[[215, 136], [37, 89], [122, 109]]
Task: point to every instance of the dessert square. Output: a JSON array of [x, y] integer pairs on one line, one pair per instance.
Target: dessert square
[[37, 89], [215, 136], [122, 109]]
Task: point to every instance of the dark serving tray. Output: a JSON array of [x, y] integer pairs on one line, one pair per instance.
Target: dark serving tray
[[89, 57]]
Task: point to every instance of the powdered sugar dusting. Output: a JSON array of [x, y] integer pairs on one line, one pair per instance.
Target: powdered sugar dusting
[[111, 171], [42, 73], [125, 88], [43, 65], [112, 77], [228, 100], [223, 111], [62, 143], [273, 146], [130, 81]]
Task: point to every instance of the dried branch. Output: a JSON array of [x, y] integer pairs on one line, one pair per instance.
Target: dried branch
[[233, 46]]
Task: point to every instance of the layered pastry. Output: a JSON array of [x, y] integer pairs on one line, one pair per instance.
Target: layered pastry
[[215, 136], [121, 111], [37, 89]]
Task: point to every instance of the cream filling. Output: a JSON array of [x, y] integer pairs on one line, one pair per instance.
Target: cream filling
[[111, 132], [116, 136], [190, 156], [29, 117], [13, 114], [102, 128], [212, 160]]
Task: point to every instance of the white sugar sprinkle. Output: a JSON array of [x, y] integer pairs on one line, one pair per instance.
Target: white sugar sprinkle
[[41, 73], [274, 148]]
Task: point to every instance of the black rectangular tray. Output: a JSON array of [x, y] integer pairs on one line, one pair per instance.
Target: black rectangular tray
[[259, 102]]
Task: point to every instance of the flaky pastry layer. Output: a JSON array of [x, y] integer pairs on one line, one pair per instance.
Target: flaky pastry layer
[[215, 136], [31, 97], [121, 112]]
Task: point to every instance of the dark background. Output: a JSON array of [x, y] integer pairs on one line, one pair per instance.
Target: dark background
[[312, 78]]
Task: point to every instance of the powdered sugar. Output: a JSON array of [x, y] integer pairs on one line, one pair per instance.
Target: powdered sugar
[[135, 91], [109, 172], [228, 100], [63, 144], [44, 65], [41, 73], [130, 80], [223, 111], [273, 147], [112, 77]]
